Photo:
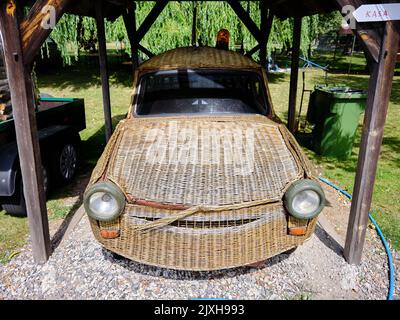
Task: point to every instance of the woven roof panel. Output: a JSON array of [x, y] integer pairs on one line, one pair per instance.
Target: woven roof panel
[[202, 57]]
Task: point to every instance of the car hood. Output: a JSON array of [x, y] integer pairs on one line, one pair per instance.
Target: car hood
[[194, 161]]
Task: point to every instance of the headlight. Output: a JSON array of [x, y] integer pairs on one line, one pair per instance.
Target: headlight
[[104, 201], [304, 199]]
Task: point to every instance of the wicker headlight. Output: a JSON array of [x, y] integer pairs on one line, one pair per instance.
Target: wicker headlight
[[104, 201], [304, 199]]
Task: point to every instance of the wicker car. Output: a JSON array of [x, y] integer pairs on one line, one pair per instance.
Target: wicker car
[[202, 175]]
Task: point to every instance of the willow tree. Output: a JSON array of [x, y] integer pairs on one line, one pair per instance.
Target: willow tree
[[174, 26]]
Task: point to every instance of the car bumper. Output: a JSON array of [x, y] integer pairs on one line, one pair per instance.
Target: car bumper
[[203, 241]]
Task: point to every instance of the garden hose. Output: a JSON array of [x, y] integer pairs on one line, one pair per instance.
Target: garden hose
[[379, 231]]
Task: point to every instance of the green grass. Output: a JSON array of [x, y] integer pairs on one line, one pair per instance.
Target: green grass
[[338, 63], [82, 81], [386, 203]]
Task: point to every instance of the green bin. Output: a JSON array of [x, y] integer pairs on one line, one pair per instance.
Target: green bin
[[335, 111]]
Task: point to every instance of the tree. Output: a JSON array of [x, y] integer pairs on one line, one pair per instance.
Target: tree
[[173, 28]]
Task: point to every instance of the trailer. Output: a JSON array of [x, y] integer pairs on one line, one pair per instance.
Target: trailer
[[58, 121]]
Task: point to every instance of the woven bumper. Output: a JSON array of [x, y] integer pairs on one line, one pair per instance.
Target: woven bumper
[[204, 241]]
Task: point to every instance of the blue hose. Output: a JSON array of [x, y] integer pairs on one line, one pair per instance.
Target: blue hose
[[386, 245]]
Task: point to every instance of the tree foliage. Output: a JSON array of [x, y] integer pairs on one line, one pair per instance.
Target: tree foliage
[[174, 26]]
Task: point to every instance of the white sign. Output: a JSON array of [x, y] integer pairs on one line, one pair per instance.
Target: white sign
[[377, 12]]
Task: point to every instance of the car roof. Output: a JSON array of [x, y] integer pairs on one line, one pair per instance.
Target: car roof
[[199, 57]]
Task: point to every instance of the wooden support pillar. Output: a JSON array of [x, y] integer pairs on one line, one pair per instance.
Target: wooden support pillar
[[264, 32], [374, 121], [23, 104], [194, 24], [101, 36], [135, 36], [263, 43], [130, 26], [294, 74]]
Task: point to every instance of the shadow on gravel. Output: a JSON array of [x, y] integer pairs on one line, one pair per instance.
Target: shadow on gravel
[[188, 275], [328, 241]]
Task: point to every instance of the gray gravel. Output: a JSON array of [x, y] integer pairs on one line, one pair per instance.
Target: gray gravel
[[81, 269]]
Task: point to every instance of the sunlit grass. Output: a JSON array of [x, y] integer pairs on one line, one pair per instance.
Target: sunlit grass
[[386, 203]]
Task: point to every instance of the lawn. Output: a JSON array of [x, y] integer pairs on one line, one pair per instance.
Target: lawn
[[82, 81], [386, 203]]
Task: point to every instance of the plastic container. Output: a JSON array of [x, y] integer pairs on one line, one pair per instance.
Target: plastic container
[[335, 111]]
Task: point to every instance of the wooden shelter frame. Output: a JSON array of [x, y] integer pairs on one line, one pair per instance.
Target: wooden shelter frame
[[24, 35]]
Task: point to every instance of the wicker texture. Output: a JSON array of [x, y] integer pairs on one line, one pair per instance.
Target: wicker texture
[[234, 218], [199, 246], [212, 179], [202, 57], [203, 192]]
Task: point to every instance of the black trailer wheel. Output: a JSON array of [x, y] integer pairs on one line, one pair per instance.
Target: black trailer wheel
[[16, 205], [65, 163]]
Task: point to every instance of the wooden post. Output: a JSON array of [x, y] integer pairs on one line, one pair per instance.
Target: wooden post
[[23, 104], [263, 44], [263, 26], [294, 74], [374, 121], [130, 26], [101, 36], [135, 36], [194, 24]]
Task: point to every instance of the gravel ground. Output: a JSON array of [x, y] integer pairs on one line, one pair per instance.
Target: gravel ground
[[81, 269]]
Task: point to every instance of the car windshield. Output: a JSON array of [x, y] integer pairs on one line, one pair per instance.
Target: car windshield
[[200, 92]]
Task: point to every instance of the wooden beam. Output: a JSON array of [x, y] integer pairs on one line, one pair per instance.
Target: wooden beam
[[23, 104], [146, 51], [33, 34], [253, 50], [129, 17], [150, 19], [101, 36], [294, 74], [374, 121], [246, 19]]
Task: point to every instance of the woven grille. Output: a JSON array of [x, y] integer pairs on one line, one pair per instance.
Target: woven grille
[[185, 247]]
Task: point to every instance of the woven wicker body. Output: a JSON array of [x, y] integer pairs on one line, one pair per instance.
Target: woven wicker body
[[240, 220], [202, 192], [199, 247]]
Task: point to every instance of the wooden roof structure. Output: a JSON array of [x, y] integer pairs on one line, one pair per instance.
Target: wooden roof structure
[[23, 35], [281, 8]]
